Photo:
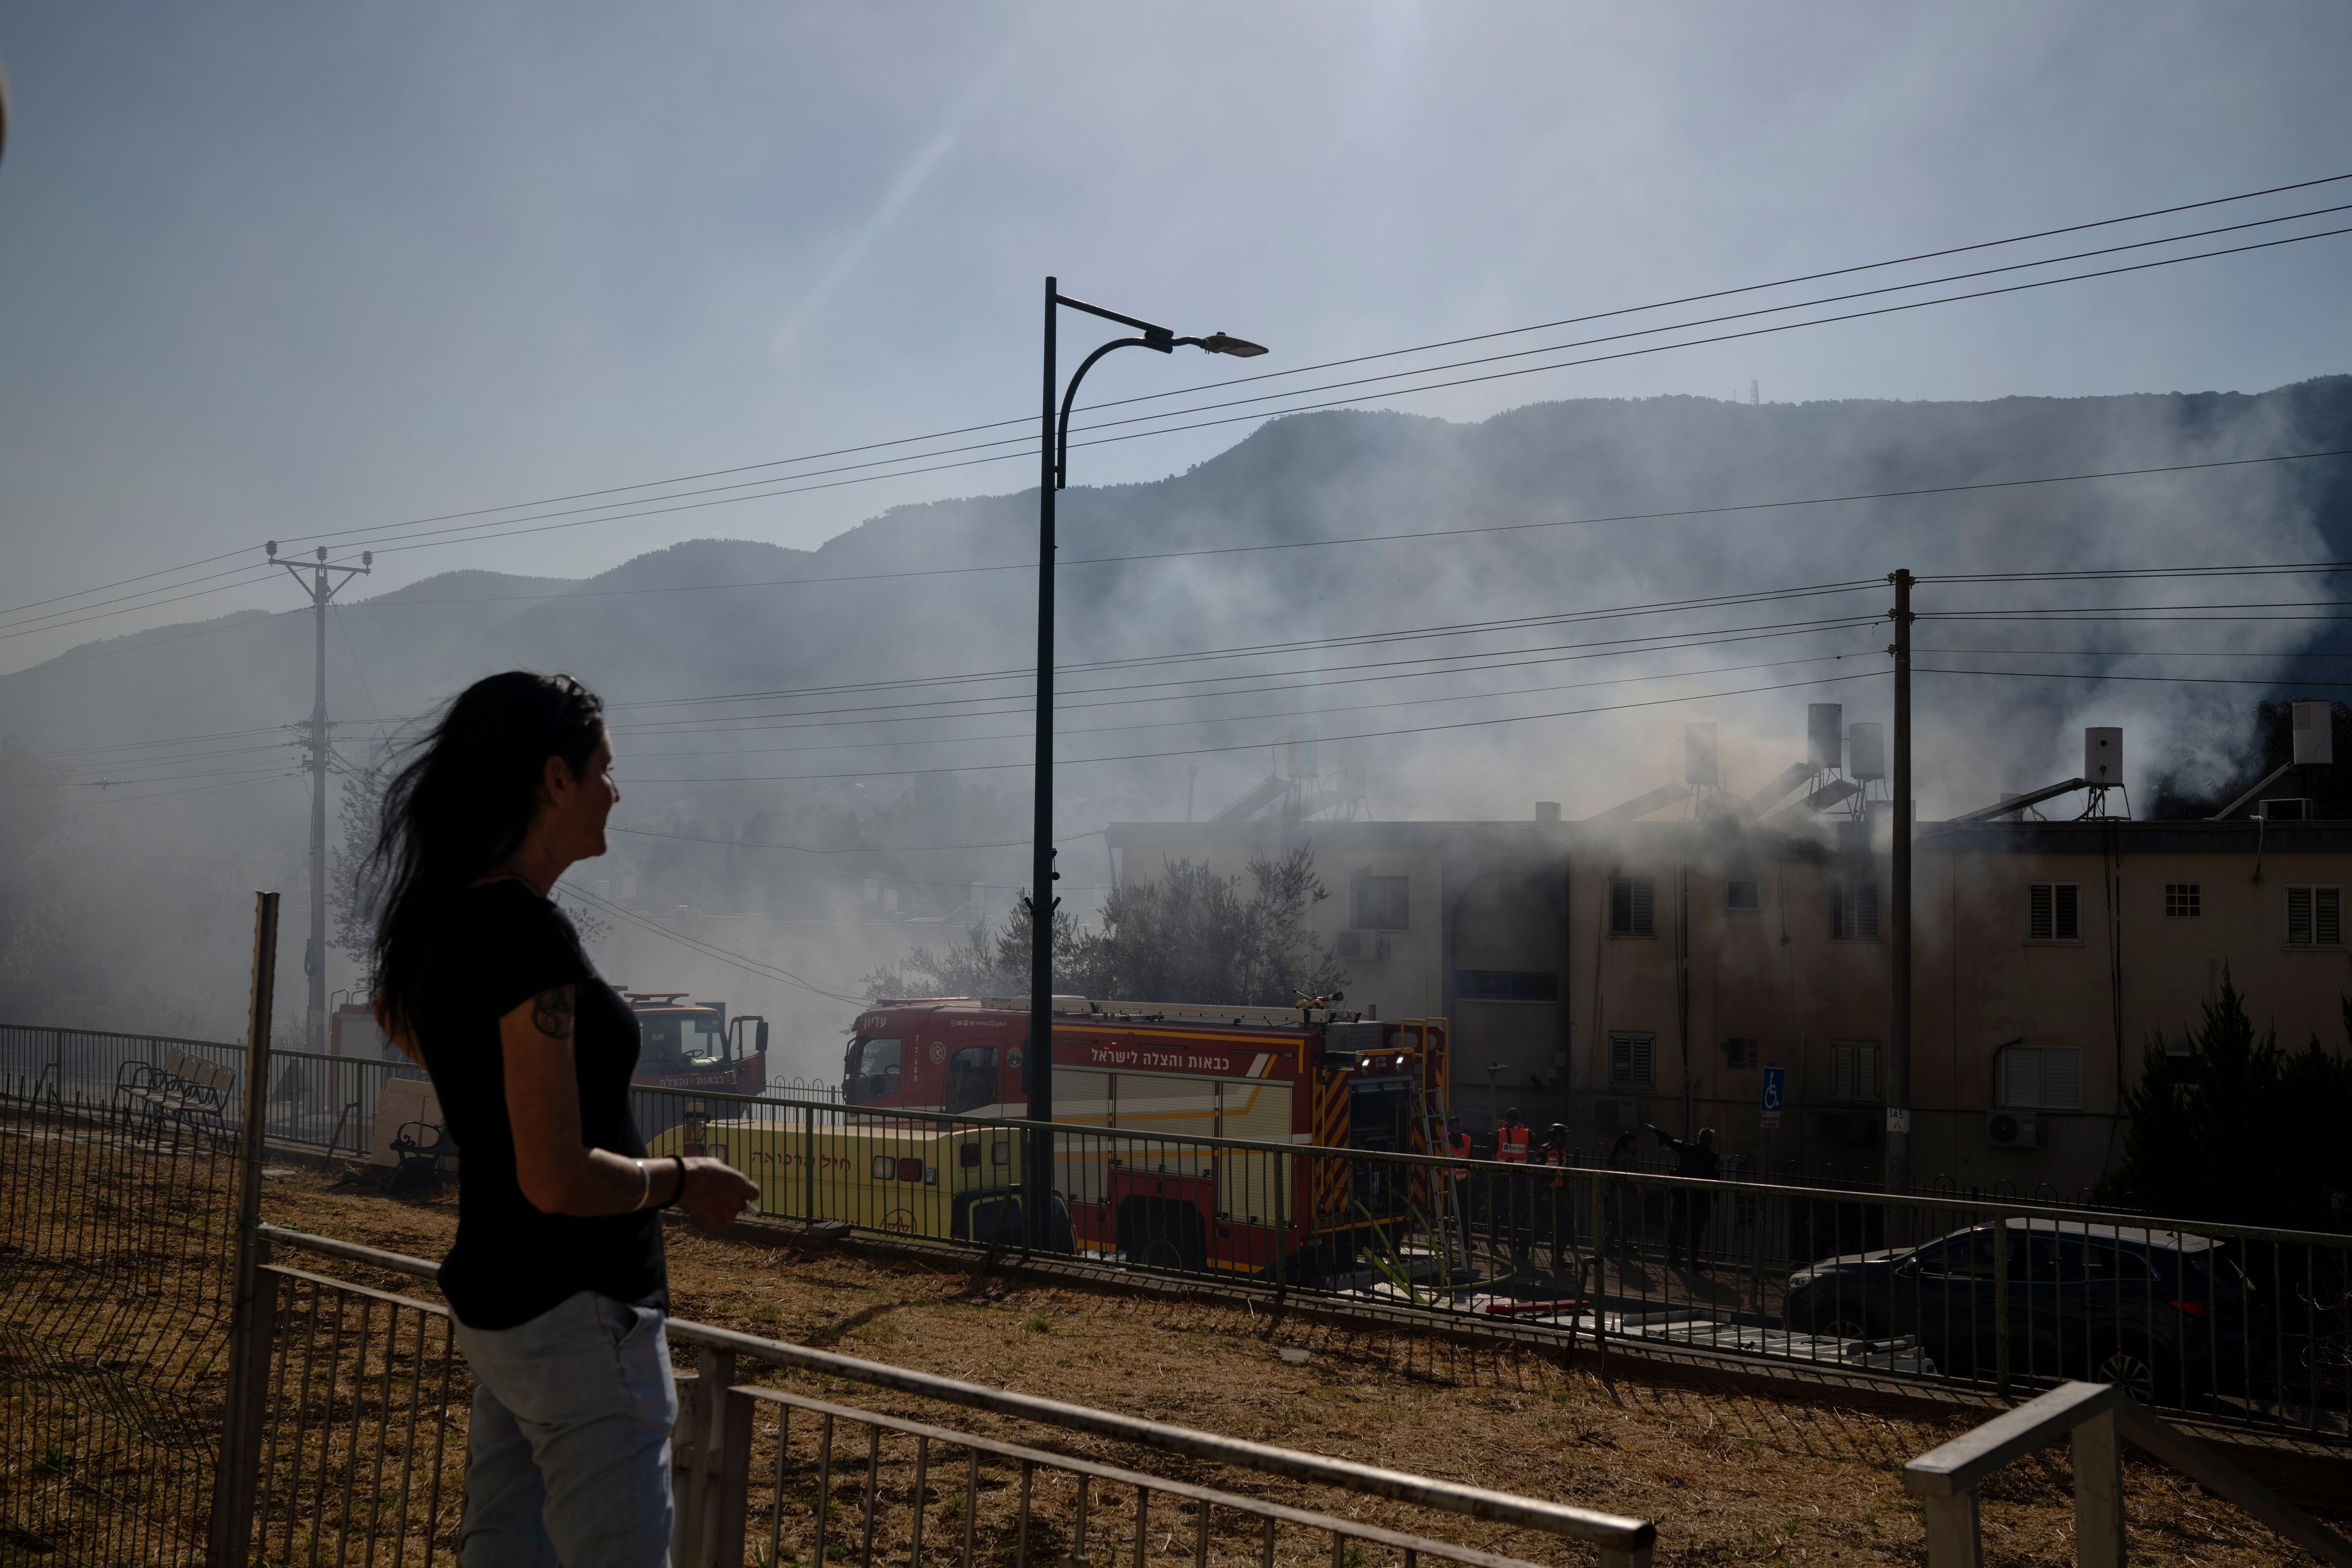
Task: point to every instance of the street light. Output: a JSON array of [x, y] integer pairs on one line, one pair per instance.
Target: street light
[[1037, 1178]]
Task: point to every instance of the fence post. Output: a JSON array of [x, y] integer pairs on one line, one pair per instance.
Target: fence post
[[2001, 1303], [2099, 1493], [721, 1427], [1954, 1540], [254, 1313]]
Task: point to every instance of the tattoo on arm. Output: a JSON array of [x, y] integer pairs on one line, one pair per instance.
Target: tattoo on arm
[[551, 1012]]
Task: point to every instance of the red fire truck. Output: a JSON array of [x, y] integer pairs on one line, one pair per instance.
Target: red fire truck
[[694, 1045], [1157, 1075]]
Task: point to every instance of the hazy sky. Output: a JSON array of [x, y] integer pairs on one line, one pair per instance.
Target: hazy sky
[[268, 271]]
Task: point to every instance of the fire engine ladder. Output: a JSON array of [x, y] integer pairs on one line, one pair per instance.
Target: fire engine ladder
[[1428, 1109]]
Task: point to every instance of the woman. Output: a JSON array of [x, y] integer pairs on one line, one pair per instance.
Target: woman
[[556, 1281]]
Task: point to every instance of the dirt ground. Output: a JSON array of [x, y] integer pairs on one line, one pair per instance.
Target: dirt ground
[[1729, 1476]]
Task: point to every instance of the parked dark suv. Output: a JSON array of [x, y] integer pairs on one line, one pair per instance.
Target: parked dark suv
[[2161, 1313]]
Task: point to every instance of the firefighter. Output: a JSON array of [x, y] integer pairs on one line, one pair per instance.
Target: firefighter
[[1513, 1197], [1554, 1214], [1696, 1158]]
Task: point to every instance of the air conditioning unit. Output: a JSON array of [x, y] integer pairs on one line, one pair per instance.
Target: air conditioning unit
[[1613, 1114], [1363, 946], [2013, 1129], [1850, 1127]]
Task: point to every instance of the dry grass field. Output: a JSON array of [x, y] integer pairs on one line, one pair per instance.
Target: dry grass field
[[1729, 1475]]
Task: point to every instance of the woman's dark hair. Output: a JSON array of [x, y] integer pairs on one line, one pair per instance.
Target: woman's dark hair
[[461, 804]]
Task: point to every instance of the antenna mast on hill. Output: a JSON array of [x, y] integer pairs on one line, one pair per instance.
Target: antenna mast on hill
[[314, 957]]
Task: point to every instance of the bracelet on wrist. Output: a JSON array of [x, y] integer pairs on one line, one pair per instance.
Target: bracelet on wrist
[[646, 1189], [678, 1191]]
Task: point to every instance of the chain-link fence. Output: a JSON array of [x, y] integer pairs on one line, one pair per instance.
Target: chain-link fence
[[115, 1236]]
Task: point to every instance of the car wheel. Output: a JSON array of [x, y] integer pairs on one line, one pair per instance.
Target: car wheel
[[2132, 1372]]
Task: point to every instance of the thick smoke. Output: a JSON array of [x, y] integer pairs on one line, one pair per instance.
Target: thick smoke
[[786, 844]]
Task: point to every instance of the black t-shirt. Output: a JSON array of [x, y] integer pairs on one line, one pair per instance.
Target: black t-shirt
[[497, 946]]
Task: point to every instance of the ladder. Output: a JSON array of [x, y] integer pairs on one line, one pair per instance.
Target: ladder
[[1431, 1098]]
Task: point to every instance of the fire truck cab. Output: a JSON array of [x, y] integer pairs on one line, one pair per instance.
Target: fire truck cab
[[693, 1045], [1159, 1075]]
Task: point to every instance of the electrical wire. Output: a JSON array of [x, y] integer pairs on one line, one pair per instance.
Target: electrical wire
[[1024, 419], [537, 525], [712, 950], [1265, 745]]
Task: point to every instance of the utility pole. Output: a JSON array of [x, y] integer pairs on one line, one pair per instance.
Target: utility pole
[[314, 957], [1898, 1023]]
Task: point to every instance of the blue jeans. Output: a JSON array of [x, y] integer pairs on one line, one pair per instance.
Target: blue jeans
[[567, 1463]]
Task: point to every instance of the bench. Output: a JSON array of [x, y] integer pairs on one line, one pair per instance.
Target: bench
[[179, 1086]]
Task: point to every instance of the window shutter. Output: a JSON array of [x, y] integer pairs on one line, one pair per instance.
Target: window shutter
[[2062, 1078], [1644, 1051], [2327, 917], [1621, 907], [2068, 923], [1644, 903], [1865, 911], [2298, 917], [1620, 1060], [2020, 1074], [2037, 913], [1867, 1071]]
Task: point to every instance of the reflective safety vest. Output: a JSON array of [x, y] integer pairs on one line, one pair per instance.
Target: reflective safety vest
[[1458, 1145], [1511, 1143], [1556, 1159]]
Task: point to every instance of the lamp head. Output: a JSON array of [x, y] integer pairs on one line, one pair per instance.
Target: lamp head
[[1240, 348]]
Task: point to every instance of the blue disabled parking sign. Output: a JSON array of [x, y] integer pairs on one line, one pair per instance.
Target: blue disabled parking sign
[[1776, 1081]]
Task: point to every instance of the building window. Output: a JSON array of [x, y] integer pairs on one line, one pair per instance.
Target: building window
[[2053, 911], [1740, 895], [1853, 912], [2314, 917], [1382, 903], [2183, 900], [2042, 1077], [1739, 1053], [1853, 1069], [1505, 985], [1632, 1060], [1632, 906]]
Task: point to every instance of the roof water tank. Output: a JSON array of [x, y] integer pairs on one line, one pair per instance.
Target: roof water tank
[[1866, 751], [1825, 734], [2314, 733], [2103, 756], [1698, 756]]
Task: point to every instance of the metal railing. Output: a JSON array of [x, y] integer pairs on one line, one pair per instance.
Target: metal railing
[[2096, 1417], [2224, 1324], [772, 1475]]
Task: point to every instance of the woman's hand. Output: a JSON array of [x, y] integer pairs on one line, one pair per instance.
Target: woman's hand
[[715, 1193]]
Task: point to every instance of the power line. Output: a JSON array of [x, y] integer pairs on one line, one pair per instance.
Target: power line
[[539, 526], [1264, 745], [710, 950], [1361, 359], [1441, 343]]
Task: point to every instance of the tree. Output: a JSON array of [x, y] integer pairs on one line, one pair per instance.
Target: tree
[[1190, 936], [2230, 1127]]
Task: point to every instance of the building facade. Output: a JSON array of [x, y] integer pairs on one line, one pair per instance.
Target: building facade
[[1608, 975]]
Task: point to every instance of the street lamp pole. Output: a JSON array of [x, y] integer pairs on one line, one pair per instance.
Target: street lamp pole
[[1054, 443]]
